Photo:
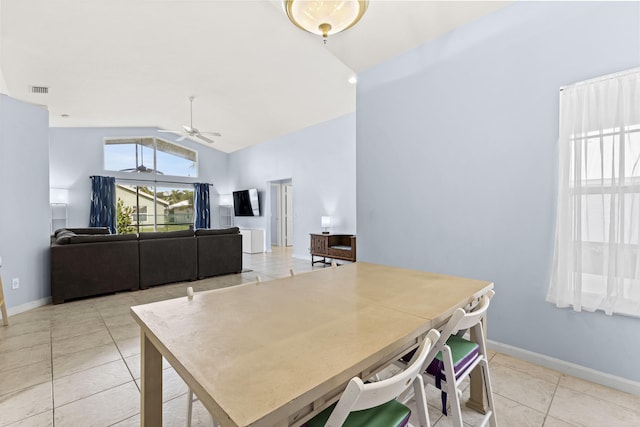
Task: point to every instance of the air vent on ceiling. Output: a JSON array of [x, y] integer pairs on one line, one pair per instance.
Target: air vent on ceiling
[[39, 89]]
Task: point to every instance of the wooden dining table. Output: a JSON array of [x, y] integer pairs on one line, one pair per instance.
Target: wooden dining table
[[276, 353]]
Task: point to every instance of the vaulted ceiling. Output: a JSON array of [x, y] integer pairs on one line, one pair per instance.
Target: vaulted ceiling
[[255, 76]]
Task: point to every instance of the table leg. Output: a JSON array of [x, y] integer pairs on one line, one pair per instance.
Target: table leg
[[151, 390], [477, 400]]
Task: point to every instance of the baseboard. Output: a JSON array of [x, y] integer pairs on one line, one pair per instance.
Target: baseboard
[[568, 368], [12, 311]]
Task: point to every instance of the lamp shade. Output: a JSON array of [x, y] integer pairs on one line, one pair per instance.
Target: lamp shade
[[326, 221], [59, 195], [226, 200], [325, 17]]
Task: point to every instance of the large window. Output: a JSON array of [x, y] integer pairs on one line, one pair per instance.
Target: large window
[[152, 156], [153, 208], [597, 251]]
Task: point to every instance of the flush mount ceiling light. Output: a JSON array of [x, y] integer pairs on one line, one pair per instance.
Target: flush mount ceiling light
[[325, 17]]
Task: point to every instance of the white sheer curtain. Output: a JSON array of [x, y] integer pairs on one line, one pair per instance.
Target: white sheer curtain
[[597, 249]]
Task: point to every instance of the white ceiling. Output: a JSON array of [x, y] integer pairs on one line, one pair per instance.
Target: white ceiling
[[255, 75]]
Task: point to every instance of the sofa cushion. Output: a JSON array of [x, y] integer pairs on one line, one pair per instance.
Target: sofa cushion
[[63, 236], [94, 238], [60, 231], [165, 234], [83, 230], [214, 231]]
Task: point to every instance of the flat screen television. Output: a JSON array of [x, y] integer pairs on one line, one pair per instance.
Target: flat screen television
[[246, 203]]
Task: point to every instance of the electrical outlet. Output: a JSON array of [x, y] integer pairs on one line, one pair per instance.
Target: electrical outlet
[[15, 283]]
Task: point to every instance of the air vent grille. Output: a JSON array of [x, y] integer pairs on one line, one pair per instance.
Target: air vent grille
[[39, 89]]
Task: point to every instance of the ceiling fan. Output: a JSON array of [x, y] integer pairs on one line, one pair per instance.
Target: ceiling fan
[[188, 131], [141, 167]]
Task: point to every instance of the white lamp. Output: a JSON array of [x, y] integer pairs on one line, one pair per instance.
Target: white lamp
[[226, 200], [326, 223], [58, 196]]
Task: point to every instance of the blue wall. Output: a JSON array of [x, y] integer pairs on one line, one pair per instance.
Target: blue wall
[[457, 159], [24, 206], [320, 160]]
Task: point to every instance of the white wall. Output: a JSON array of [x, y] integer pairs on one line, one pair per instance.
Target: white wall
[[320, 161], [24, 207], [77, 153], [459, 137]]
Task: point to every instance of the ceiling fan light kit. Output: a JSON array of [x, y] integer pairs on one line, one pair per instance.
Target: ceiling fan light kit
[[325, 18]]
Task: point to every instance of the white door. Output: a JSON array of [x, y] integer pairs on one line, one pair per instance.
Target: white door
[[276, 208], [288, 214]]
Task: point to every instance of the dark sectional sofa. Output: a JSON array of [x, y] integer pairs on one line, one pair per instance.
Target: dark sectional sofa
[[90, 261]]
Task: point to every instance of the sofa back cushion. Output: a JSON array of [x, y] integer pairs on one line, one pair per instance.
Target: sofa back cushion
[[165, 234], [213, 231], [63, 236], [70, 238], [83, 230], [94, 238]]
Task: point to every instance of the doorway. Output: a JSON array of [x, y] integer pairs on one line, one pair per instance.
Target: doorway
[[281, 213]]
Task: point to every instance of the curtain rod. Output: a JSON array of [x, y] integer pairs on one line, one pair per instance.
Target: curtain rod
[[619, 74], [155, 181]]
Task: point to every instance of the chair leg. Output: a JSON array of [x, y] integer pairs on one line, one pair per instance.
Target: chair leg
[[421, 402], [452, 389], [488, 390], [190, 411], [189, 407]]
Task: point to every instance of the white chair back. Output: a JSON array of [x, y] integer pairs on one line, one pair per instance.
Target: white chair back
[[460, 320], [449, 384], [474, 317], [358, 395]]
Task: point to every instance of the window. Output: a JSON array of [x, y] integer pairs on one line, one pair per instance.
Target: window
[[149, 155], [597, 248], [153, 208]]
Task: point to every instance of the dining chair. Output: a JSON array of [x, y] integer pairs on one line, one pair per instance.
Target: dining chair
[[374, 404], [190, 396], [190, 401], [457, 356]]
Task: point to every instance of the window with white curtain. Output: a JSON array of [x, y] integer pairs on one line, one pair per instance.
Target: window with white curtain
[[597, 248]]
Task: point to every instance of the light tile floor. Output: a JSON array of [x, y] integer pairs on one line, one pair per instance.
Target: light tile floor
[[78, 364]]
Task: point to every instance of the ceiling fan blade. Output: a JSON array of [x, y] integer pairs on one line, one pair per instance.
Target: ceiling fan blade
[[212, 133], [182, 138], [205, 139], [169, 131]]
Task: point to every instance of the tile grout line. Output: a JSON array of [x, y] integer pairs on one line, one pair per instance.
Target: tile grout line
[[101, 391], [53, 402], [119, 352], [532, 376]]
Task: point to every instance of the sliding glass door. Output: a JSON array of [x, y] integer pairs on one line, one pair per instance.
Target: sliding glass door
[[153, 208]]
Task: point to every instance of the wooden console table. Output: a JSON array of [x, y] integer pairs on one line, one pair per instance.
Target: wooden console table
[[336, 246]]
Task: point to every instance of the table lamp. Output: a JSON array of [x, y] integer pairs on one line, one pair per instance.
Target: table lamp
[[326, 223]]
